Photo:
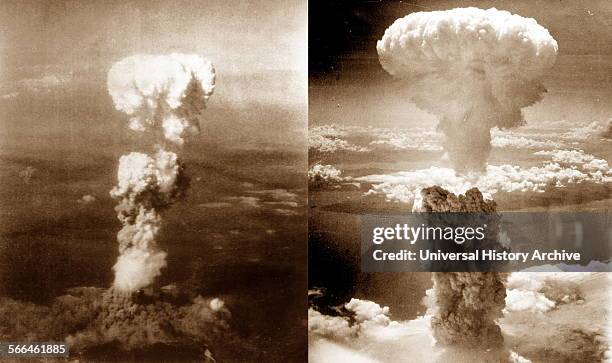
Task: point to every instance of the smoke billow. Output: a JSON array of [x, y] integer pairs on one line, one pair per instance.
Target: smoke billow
[[145, 185], [475, 69], [164, 95], [135, 324], [100, 321], [467, 304], [321, 175]]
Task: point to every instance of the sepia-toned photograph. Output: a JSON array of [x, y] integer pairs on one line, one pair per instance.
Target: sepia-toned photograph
[[326, 181], [153, 181], [489, 107]]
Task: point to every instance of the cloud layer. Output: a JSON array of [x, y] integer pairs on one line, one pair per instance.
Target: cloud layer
[[566, 167]]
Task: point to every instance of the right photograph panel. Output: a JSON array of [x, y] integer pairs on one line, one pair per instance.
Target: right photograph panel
[[459, 181]]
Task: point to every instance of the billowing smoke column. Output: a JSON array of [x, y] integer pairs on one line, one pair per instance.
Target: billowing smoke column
[[474, 69], [88, 318], [467, 304], [165, 95]]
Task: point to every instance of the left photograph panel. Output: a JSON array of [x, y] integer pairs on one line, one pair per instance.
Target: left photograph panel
[[153, 180]]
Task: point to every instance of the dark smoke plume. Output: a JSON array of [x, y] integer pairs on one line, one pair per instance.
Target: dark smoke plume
[[467, 304]]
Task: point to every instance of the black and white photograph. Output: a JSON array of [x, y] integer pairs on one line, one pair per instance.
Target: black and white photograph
[[153, 180], [458, 107]]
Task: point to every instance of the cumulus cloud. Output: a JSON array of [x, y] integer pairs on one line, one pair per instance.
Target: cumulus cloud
[[567, 167], [365, 332], [320, 175], [547, 299], [333, 138], [542, 291], [569, 133], [473, 68], [516, 358], [333, 327], [583, 133], [362, 320], [416, 139], [525, 300], [508, 139], [587, 162], [326, 144], [537, 135], [332, 131]]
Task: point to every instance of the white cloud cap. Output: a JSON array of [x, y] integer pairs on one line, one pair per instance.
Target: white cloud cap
[[473, 68], [162, 91]]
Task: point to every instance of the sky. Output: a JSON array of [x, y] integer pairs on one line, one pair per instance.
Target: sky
[[345, 75], [256, 38], [55, 56]]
